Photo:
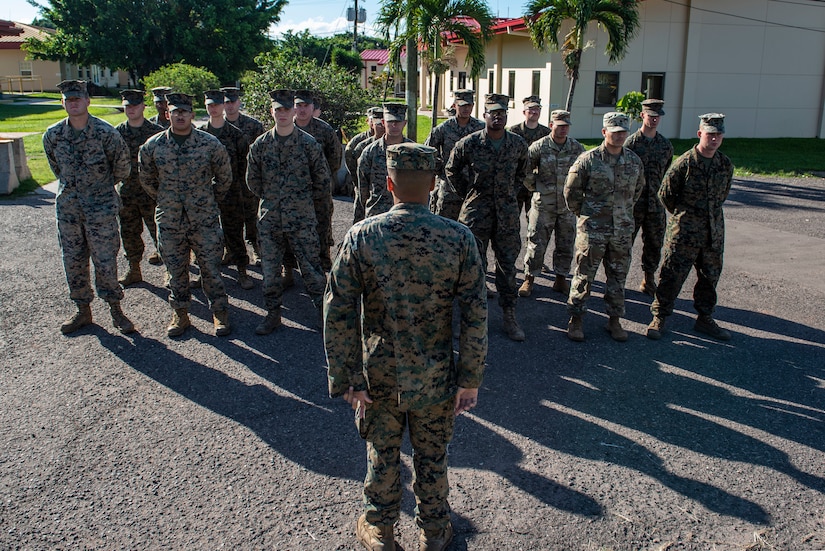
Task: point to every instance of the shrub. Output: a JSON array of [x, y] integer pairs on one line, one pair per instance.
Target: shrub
[[183, 78]]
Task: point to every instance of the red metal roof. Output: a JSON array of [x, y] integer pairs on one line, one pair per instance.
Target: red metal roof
[[379, 56]]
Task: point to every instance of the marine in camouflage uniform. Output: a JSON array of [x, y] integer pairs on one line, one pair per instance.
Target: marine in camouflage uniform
[[374, 114], [88, 156], [601, 189], [495, 161], [288, 173], [445, 202], [358, 208], [251, 128], [392, 359], [531, 130], [549, 160], [159, 98], [372, 164], [136, 207], [656, 153], [693, 192], [231, 204], [186, 171]]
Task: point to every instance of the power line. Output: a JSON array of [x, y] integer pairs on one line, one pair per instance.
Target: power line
[[736, 16]]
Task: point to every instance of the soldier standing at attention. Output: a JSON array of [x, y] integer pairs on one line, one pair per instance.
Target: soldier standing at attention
[[350, 160], [531, 131], [379, 130], [287, 171], [231, 204], [159, 97], [487, 168], [550, 159], [406, 267], [136, 208], [656, 153], [372, 164], [252, 128], [601, 189], [693, 191], [443, 138], [88, 156], [186, 171]]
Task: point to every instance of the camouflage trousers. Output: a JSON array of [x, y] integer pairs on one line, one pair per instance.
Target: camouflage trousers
[[447, 203], [506, 244], [652, 224], [592, 250], [250, 216], [326, 242], [135, 212], [430, 429], [542, 221], [304, 245], [524, 196], [85, 234], [204, 238], [232, 222], [679, 259]]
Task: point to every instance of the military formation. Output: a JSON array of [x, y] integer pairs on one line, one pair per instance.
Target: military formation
[[424, 217]]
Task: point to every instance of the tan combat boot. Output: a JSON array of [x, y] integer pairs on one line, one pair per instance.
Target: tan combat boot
[[561, 285], [220, 319], [289, 278], [375, 538], [132, 275], [648, 285], [656, 328], [614, 327], [575, 331], [270, 323], [526, 288], [244, 280], [81, 318], [511, 326], [435, 542], [119, 319], [180, 322]]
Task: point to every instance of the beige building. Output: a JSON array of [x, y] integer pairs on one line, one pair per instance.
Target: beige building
[[760, 62]]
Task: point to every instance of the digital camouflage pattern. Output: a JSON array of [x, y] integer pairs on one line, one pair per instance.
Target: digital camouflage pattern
[[163, 123], [601, 191], [372, 178], [693, 193], [251, 128], [444, 137], [549, 163], [358, 203], [186, 182], [291, 179], [137, 208], [489, 179], [350, 160], [87, 164], [231, 205], [649, 214]]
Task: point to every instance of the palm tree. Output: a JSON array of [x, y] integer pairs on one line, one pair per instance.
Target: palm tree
[[544, 18], [430, 23]]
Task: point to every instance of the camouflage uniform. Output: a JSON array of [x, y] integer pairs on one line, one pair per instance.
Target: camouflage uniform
[[251, 128], [693, 192], [406, 267], [350, 160], [137, 208], [372, 178], [187, 181], [359, 201], [649, 215], [601, 191], [231, 204], [489, 179], [163, 123], [291, 178], [443, 138], [550, 163], [530, 136], [87, 164]]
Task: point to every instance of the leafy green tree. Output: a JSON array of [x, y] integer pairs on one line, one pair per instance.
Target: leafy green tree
[[429, 23], [631, 103], [343, 98], [183, 78], [348, 60], [321, 49], [141, 36], [618, 18]]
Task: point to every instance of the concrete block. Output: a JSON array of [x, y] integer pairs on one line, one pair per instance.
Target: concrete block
[[8, 173]]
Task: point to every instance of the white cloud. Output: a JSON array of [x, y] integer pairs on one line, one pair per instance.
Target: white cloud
[[318, 26]]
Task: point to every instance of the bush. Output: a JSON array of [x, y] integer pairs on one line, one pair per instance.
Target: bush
[[183, 78], [344, 101], [631, 104]]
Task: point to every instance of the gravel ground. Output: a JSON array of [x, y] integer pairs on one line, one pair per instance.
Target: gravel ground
[[138, 441]]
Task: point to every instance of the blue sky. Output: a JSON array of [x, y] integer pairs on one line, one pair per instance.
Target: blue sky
[[320, 17]]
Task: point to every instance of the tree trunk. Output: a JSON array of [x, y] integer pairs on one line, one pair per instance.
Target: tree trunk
[[436, 82], [412, 89], [569, 103]]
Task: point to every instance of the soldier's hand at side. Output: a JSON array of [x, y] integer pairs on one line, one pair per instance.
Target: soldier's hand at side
[[358, 400], [465, 399]]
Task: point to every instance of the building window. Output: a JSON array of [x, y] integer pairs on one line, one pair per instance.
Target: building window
[[26, 68], [462, 80], [607, 89], [373, 68], [536, 87], [653, 85], [491, 82], [452, 80], [511, 84]]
